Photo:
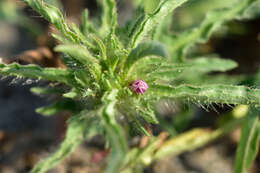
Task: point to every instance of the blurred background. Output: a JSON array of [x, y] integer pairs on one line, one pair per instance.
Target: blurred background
[[26, 137]]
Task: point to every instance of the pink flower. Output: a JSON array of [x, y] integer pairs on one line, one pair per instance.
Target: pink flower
[[138, 86]]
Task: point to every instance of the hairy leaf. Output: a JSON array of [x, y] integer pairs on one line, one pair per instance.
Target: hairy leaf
[[150, 21], [46, 90], [147, 114], [86, 26], [224, 94], [252, 12], [54, 16], [101, 46], [81, 37], [114, 133], [150, 5], [197, 66], [63, 105], [211, 64], [249, 142], [213, 20], [109, 16], [34, 71], [141, 51], [77, 52], [78, 127]]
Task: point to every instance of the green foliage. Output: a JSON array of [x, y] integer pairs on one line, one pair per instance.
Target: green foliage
[[249, 142], [12, 13], [213, 20], [78, 127], [223, 94], [150, 21], [114, 132], [63, 105], [141, 51], [103, 59], [34, 71]]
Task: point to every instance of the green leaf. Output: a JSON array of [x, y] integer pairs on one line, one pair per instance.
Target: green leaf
[[34, 71], [63, 105], [211, 64], [207, 79], [140, 157], [201, 34], [81, 37], [162, 31], [78, 127], [166, 74], [252, 11], [46, 90], [73, 93], [55, 3], [150, 21], [138, 125], [86, 26], [143, 50], [83, 78], [145, 66], [151, 5], [54, 16], [249, 142], [148, 115], [79, 53], [190, 69], [109, 16], [208, 94], [113, 133], [145, 110], [13, 13], [101, 46]]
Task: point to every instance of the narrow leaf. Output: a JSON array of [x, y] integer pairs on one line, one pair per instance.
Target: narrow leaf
[[144, 109], [150, 5], [168, 74], [73, 93], [213, 20], [141, 51], [150, 21], [109, 16], [82, 55], [101, 45], [34, 71], [81, 37], [63, 105], [78, 127], [200, 65], [54, 16], [46, 90], [211, 64], [79, 53], [249, 142], [86, 26], [224, 94], [114, 133]]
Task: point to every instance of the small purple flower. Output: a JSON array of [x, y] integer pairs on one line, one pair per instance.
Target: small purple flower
[[138, 86]]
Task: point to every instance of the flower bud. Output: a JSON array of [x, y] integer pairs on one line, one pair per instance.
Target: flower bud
[[138, 86]]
